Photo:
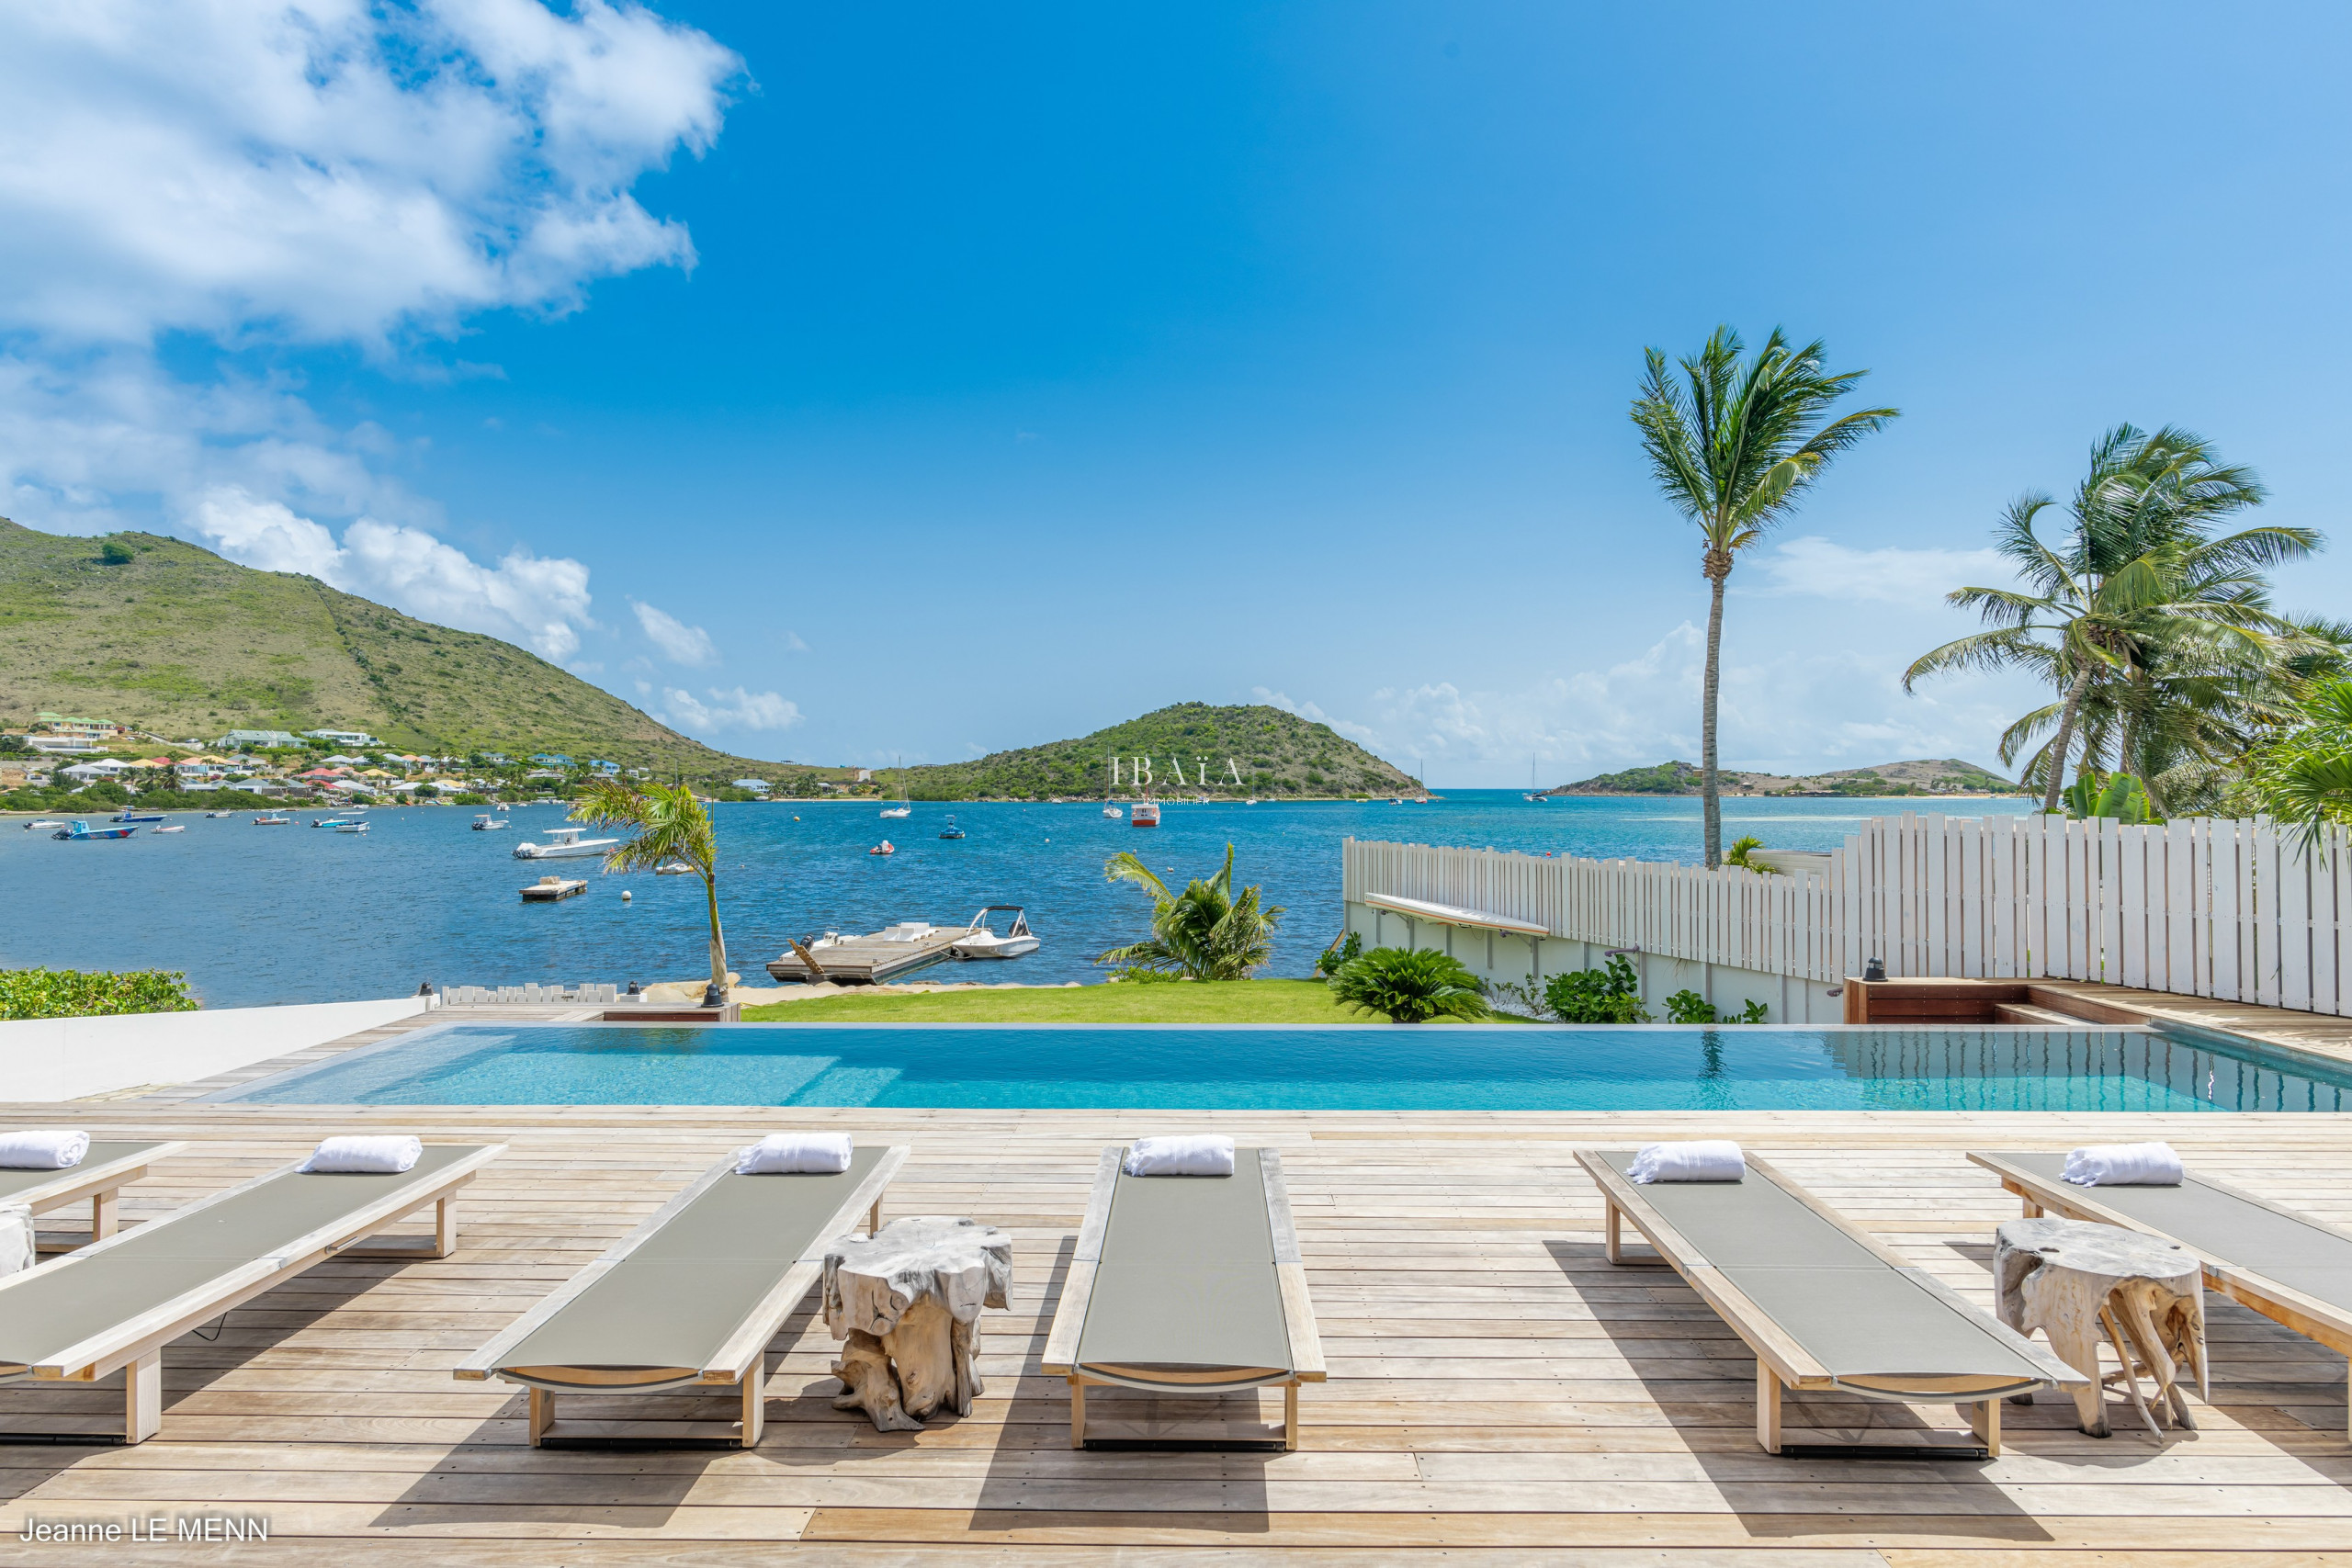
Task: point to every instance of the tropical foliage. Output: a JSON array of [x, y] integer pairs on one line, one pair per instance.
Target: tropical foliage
[[2117, 797], [1734, 443], [1689, 1007], [1409, 986], [1612, 994], [2304, 778], [1742, 854], [671, 825], [2154, 630], [1205, 932], [1342, 952], [72, 993]]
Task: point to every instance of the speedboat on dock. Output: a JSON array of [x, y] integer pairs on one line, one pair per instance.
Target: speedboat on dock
[[565, 843], [981, 940], [547, 889]]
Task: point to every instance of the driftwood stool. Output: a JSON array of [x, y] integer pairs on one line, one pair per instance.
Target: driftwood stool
[[2080, 1282], [908, 1303]]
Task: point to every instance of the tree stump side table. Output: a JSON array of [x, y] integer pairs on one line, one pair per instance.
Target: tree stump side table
[[2080, 1282], [906, 1301]]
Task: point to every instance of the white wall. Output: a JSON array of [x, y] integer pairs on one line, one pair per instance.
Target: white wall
[[69, 1058], [1499, 956]]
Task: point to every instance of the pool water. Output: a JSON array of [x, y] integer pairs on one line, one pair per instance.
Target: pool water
[[1430, 1067]]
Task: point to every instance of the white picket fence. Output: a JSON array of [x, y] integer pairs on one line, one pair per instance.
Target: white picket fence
[[2235, 911]]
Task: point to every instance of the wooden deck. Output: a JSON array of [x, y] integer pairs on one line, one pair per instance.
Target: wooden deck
[[1498, 1392]]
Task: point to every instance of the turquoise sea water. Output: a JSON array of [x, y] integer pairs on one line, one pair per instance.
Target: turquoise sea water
[[259, 915], [1334, 1069]]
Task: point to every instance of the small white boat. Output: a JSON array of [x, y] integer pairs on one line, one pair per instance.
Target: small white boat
[[44, 822], [487, 822], [351, 827], [1113, 812], [175, 827], [898, 811], [673, 868], [565, 843], [268, 822], [212, 814], [982, 941], [1251, 801]]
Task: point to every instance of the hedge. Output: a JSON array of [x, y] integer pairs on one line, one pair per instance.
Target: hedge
[[69, 993]]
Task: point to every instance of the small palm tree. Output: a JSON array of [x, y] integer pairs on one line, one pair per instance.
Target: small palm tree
[[1206, 933], [1732, 445], [2304, 778], [1742, 854], [1409, 986], [670, 826]]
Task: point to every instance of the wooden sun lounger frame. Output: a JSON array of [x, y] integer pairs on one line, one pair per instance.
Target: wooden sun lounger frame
[[102, 1184], [741, 1361], [1077, 1290], [2307, 1315], [136, 1345], [1781, 1362]]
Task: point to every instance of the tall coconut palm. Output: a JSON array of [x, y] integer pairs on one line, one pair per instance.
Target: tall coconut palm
[[1734, 444], [1206, 933], [2139, 592], [671, 825]]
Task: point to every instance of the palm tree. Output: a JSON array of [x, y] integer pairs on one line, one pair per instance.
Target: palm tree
[[1409, 986], [1205, 932], [2142, 620], [670, 826], [1732, 445], [2304, 778]]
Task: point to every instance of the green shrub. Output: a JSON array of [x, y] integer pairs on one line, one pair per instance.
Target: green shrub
[[114, 552], [1409, 986], [1342, 952], [1689, 1007], [68, 993], [1608, 994]]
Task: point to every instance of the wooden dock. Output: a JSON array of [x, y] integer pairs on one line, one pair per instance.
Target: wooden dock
[[1556, 1411], [868, 960]]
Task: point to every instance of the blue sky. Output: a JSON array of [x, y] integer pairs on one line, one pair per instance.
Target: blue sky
[[848, 382]]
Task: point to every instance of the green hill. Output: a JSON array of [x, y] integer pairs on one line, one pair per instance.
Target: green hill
[[1275, 754], [1943, 776], [176, 642]]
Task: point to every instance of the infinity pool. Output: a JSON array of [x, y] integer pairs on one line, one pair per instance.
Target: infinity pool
[[1431, 1067]]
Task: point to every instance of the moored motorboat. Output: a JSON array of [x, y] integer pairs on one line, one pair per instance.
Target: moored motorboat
[[74, 832], [488, 822], [267, 821], [1146, 814], [950, 830], [884, 848], [127, 814], [982, 941], [564, 843], [351, 827], [1112, 811], [209, 815], [43, 822], [175, 827]]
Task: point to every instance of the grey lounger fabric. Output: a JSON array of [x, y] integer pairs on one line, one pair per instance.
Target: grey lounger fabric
[[1823, 1306], [29, 1187], [2220, 1224], [663, 1311], [1186, 1280], [1186, 1284]]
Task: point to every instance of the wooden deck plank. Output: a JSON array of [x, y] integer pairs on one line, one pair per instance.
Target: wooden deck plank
[[1499, 1393]]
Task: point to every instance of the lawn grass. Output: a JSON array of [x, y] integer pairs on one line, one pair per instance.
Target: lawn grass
[[1224, 1001]]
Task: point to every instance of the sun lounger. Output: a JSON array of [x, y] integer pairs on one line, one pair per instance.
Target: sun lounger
[[109, 1167], [1186, 1284], [692, 1296], [116, 1304], [1822, 1304], [2289, 1267]]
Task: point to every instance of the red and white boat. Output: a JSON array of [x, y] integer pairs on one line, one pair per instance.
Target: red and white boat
[[1144, 814]]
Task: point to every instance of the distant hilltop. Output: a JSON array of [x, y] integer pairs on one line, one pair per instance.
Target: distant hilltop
[[1190, 749], [1944, 775]]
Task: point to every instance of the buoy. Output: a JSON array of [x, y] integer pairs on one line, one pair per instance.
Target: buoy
[[623, 895]]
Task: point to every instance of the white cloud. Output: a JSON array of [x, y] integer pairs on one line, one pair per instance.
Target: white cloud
[[330, 170], [738, 709], [1310, 712], [1815, 566], [524, 598], [279, 173], [791, 643], [680, 643]]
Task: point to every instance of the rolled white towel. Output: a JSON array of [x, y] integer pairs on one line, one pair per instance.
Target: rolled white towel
[[794, 1154], [15, 1239], [1703, 1159], [386, 1155], [2123, 1165], [43, 1148], [1194, 1153]]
